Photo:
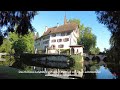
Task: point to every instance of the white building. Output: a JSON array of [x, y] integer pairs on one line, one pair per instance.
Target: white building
[[59, 37]]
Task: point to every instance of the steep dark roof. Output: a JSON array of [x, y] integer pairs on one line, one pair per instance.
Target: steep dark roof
[[63, 28]]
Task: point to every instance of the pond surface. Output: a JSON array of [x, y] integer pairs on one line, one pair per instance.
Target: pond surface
[[104, 73]]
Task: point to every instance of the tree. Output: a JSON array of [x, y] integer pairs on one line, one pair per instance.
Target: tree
[[112, 20], [87, 39], [19, 46], [10, 19], [22, 43], [94, 50], [29, 42]]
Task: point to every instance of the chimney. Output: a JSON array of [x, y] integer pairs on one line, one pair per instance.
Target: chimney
[[57, 24], [46, 28]]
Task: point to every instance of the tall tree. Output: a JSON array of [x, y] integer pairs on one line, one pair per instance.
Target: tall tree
[[94, 50], [112, 20], [87, 39], [22, 43], [9, 19]]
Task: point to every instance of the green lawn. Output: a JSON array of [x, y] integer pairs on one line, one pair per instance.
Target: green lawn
[[12, 73]]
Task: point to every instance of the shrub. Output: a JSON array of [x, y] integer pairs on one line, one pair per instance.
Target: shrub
[[78, 63], [65, 51], [8, 62]]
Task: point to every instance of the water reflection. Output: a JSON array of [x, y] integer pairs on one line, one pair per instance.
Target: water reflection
[[104, 73], [101, 67]]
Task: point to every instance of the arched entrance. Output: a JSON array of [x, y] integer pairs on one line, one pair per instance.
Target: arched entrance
[[72, 50]]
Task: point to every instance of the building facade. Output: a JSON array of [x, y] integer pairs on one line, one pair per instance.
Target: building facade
[[58, 37]]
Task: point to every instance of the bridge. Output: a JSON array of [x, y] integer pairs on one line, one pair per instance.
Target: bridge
[[99, 57]]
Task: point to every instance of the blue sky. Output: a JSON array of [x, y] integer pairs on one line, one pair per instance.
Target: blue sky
[[88, 18]]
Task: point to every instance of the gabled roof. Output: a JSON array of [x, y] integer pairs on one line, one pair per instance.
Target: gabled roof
[[63, 28]]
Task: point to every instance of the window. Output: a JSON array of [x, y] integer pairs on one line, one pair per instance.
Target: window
[[60, 46], [53, 40], [53, 35], [59, 40], [52, 46], [66, 39], [68, 33], [62, 34], [46, 42], [46, 37]]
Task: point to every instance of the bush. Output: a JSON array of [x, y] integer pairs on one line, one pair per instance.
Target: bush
[[78, 64], [9, 61], [65, 51]]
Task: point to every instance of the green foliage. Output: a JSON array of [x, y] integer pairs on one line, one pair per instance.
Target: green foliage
[[16, 21], [78, 63], [111, 19], [66, 51], [87, 39], [6, 46], [94, 50], [19, 46], [22, 43], [29, 42], [9, 61]]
